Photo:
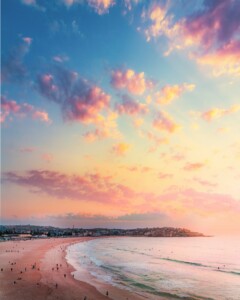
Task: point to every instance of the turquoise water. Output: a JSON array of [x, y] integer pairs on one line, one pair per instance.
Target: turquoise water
[[188, 268]]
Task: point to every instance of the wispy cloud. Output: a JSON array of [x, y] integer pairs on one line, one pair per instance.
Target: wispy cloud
[[10, 108], [99, 6], [60, 58], [162, 175], [194, 166]]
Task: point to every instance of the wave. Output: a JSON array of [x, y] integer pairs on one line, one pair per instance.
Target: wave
[[151, 290], [229, 272], [201, 265], [128, 282], [186, 262]]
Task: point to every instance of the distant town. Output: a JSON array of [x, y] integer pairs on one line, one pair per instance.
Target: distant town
[[16, 232]]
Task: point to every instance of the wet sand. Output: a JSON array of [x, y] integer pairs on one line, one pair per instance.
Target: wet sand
[[37, 270]]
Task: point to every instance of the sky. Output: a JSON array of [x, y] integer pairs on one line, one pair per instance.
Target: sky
[[121, 114]]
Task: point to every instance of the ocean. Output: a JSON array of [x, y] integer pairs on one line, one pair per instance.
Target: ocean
[[181, 268]]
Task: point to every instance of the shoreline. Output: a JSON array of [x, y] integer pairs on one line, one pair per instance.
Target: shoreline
[[37, 269], [114, 292]]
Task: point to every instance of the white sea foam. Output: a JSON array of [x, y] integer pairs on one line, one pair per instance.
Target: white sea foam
[[194, 268]]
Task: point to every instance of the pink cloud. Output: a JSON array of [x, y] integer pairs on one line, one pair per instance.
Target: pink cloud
[[224, 60], [164, 175], [94, 187], [164, 122], [86, 107], [205, 182], [194, 166], [79, 99], [12, 108], [210, 34], [89, 187], [134, 83], [130, 106], [29, 2], [69, 2], [27, 40]]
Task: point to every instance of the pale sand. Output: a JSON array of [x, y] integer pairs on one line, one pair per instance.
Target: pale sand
[[40, 282]]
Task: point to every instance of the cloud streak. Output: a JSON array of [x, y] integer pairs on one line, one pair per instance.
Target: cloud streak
[[90, 187], [216, 113], [10, 108]]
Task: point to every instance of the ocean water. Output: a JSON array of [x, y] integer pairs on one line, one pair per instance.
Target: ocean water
[[188, 268]]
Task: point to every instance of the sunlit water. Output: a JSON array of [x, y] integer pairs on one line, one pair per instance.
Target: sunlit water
[[194, 268]]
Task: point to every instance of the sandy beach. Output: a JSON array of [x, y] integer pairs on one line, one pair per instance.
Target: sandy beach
[[37, 269]]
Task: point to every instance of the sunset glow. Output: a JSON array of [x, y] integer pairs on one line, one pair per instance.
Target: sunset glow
[[121, 114]]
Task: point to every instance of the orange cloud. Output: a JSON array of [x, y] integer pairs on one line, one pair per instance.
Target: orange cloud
[[170, 92], [216, 113], [121, 148], [134, 83], [101, 6], [164, 122], [106, 128], [160, 23]]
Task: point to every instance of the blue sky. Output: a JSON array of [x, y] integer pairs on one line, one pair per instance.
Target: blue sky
[[138, 101]]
